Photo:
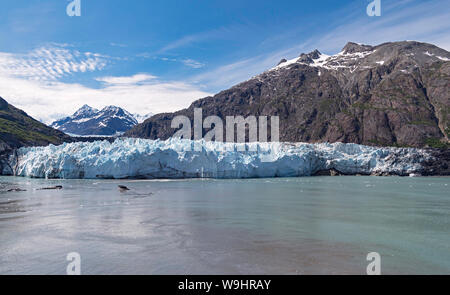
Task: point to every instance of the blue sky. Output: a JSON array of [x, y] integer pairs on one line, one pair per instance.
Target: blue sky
[[156, 56]]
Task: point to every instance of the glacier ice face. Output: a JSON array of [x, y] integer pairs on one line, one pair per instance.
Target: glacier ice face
[[176, 158]]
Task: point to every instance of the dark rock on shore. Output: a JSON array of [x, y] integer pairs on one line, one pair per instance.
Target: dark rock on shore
[[439, 164], [330, 172], [16, 190], [57, 187], [123, 188]]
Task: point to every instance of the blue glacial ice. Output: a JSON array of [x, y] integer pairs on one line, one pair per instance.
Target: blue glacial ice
[[176, 158]]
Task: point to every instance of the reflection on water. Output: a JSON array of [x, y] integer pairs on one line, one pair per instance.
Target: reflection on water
[[316, 225]]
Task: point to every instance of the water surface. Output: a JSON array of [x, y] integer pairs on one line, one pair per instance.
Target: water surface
[[312, 225]]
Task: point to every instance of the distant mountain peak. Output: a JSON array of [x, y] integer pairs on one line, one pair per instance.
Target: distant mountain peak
[[86, 107], [87, 121], [310, 57], [283, 60], [111, 108], [85, 110], [352, 47], [142, 118]]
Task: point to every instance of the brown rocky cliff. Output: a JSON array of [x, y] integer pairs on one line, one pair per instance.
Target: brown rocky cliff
[[393, 94]]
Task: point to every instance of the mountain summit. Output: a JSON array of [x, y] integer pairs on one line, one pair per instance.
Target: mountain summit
[[109, 121], [84, 112], [393, 94]]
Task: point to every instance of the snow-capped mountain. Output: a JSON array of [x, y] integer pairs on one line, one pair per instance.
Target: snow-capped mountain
[[109, 121], [392, 94], [142, 118]]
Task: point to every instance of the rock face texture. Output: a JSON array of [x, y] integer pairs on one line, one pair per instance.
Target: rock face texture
[[393, 94]]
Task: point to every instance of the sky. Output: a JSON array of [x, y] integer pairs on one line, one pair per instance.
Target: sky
[[160, 56]]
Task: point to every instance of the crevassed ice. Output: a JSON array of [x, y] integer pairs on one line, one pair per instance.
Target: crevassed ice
[[176, 158]]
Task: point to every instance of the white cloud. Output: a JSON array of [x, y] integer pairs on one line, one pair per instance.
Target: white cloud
[[118, 45], [50, 63], [32, 82], [50, 101], [230, 74], [192, 63], [189, 62], [194, 38], [135, 79]]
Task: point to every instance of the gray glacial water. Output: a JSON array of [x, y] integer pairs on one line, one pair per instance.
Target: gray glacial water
[[311, 225]]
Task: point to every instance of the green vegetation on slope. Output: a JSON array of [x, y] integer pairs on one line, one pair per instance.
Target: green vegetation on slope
[[18, 129]]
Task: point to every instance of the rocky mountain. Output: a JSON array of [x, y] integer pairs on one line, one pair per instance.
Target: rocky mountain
[[393, 94], [141, 118], [17, 129], [109, 121]]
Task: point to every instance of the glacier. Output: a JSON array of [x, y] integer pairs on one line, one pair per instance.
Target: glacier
[[177, 158]]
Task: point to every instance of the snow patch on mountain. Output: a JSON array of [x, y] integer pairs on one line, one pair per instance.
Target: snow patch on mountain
[[439, 57], [334, 62], [141, 118], [85, 111]]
